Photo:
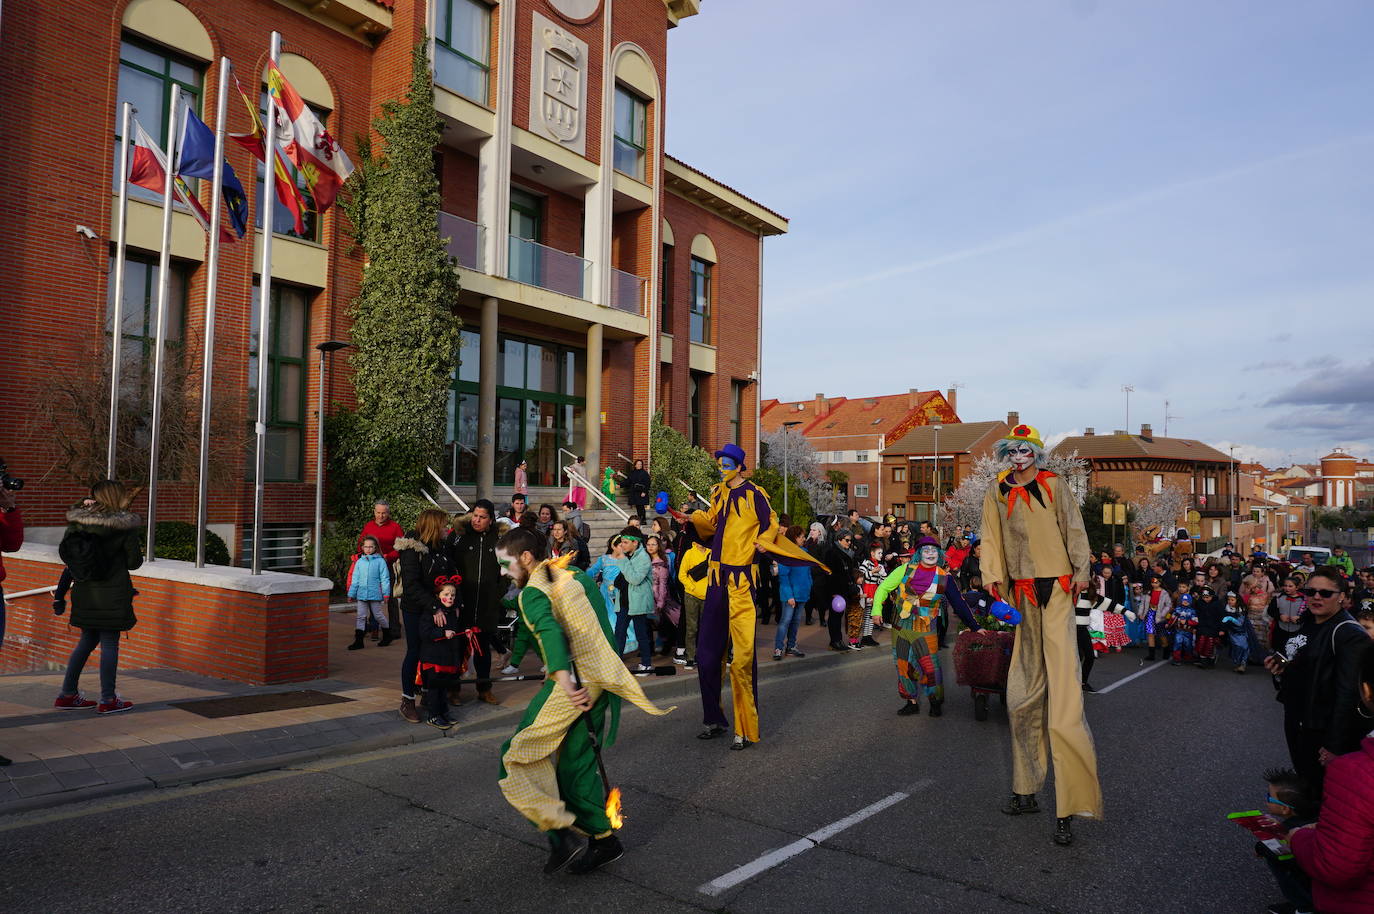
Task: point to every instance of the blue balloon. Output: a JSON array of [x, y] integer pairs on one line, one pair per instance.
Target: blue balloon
[[838, 604], [1005, 612], [661, 503]]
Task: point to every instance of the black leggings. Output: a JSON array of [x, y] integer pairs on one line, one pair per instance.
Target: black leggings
[[412, 659], [1085, 650], [481, 664], [834, 624]]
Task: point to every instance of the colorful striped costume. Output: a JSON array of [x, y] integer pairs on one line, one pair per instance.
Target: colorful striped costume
[[915, 646]]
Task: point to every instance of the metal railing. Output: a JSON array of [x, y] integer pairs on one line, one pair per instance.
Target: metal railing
[[535, 264], [465, 240], [627, 291], [451, 494], [283, 548], [597, 493]]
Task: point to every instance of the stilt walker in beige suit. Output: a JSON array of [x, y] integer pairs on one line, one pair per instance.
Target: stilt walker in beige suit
[[1036, 557]]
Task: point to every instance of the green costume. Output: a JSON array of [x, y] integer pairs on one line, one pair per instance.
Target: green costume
[[563, 617]]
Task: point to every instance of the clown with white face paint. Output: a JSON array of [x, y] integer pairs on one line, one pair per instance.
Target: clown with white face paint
[[1036, 557], [549, 767], [921, 585]]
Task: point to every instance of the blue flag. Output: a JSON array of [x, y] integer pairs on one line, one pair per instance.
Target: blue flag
[[197, 160]]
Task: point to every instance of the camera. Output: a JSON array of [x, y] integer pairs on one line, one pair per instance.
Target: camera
[[7, 481]]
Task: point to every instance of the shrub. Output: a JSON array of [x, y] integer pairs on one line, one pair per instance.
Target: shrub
[[176, 539]]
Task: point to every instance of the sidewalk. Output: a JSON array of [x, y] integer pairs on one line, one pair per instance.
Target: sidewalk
[[66, 756]]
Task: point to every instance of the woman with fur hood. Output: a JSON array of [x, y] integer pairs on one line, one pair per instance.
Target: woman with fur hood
[[101, 546], [425, 555]]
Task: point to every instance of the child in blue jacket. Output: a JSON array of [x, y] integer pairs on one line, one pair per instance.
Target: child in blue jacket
[[794, 589], [370, 585]]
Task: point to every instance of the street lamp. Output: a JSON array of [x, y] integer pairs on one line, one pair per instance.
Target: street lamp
[[786, 453], [325, 348], [935, 508], [1235, 484]]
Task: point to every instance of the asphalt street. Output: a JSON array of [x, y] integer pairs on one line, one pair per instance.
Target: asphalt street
[[424, 828]]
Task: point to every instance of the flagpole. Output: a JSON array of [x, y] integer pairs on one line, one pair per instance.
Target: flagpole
[[269, 149], [211, 288], [121, 221], [164, 291]]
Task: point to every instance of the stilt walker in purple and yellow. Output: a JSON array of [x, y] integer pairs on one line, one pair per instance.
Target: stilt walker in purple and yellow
[[739, 523]]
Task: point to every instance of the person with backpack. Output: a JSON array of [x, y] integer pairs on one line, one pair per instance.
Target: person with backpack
[[101, 546]]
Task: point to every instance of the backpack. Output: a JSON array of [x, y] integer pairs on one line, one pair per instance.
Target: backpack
[[84, 555]]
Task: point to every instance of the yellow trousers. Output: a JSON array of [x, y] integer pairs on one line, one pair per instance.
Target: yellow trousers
[[531, 782], [729, 612], [1045, 706]]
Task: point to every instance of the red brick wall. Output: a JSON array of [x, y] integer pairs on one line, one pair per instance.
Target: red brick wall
[[56, 302], [226, 634], [458, 183]]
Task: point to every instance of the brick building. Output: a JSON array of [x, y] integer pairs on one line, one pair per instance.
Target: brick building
[[1138, 466], [849, 435], [926, 464], [601, 278]]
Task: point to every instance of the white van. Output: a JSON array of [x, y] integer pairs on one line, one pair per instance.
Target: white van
[[1320, 555]]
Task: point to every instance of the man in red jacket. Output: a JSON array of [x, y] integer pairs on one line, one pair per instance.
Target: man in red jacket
[[386, 531], [11, 538]]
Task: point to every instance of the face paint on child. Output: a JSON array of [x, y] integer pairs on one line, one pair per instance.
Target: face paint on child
[[929, 556]]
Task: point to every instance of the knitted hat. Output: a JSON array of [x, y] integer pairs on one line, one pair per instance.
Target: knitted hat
[[1027, 433]]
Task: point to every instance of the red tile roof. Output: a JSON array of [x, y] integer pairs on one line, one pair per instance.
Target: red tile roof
[[891, 415]]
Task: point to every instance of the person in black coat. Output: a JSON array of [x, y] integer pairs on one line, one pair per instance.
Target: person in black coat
[[443, 655], [101, 546], [1210, 609], [842, 581], [425, 555], [637, 486], [483, 588]]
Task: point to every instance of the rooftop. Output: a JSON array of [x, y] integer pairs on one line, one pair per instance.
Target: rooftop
[[954, 438], [1123, 446], [841, 417]]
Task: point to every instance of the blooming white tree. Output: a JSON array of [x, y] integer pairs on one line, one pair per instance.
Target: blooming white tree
[[784, 449], [1165, 510]]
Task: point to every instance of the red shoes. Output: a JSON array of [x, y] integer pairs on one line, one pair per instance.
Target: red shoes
[[72, 703], [114, 707]]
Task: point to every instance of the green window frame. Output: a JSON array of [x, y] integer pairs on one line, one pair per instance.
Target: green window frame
[[666, 290], [462, 47], [631, 133], [139, 331], [148, 74], [288, 377], [700, 302]]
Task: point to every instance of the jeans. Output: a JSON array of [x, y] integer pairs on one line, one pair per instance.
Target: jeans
[[374, 609], [789, 617], [643, 635], [1240, 648], [108, 641], [412, 657]]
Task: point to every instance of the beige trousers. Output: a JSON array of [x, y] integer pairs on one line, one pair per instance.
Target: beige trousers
[[1045, 706]]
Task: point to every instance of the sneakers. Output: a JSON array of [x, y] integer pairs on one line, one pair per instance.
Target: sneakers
[[113, 706], [868, 641], [739, 743], [792, 651], [644, 668], [440, 722], [599, 852], [72, 703], [690, 665], [711, 731], [680, 656], [777, 655], [837, 646], [563, 847], [908, 709], [854, 647]]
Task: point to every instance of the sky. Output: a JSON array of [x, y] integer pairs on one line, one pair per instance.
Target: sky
[[1045, 200]]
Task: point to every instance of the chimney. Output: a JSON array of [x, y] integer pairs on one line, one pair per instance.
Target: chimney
[[822, 406], [1146, 431], [1013, 418], [913, 398], [950, 397], [1089, 432], [1119, 432]]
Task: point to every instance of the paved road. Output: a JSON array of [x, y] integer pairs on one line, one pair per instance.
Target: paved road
[[424, 828]]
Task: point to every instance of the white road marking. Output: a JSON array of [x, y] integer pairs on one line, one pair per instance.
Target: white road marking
[[801, 845], [1136, 675]]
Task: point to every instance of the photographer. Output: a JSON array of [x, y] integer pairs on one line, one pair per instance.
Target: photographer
[[11, 538]]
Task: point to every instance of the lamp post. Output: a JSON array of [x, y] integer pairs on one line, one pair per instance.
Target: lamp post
[[786, 454], [1235, 483], [935, 507], [325, 349]]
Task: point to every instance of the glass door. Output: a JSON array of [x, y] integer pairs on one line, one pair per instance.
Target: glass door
[[508, 447], [525, 232], [541, 442]]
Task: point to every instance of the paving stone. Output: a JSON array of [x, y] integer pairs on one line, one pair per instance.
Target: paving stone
[[7, 794], [139, 754], [223, 754], [38, 785], [206, 743], [23, 770], [114, 774], [108, 757], [156, 767], [185, 761], [68, 763], [84, 777]]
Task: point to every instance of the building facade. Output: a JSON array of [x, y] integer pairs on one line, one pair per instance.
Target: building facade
[[924, 466], [602, 280], [850, 434]]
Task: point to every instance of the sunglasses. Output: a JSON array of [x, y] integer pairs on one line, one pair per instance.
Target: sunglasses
[[1314, 591]]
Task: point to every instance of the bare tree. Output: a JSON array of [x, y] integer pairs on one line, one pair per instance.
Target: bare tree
[[77, 410], [784, 448]]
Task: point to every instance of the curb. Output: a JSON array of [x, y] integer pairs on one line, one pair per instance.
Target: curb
[[668, 687]]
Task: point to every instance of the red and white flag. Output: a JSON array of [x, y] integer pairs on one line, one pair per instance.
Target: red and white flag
[[306, 142], [148, 168]]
